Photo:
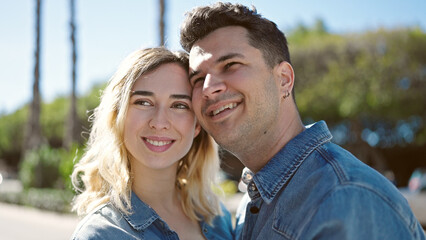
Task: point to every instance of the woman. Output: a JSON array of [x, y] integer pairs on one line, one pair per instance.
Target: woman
[[149, 167]]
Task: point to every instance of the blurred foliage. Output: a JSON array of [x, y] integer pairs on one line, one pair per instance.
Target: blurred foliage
[[40, 168], [53, 124], [225, 188], [54, 115], [374, 80], [57, 200], [49, 167], [12, 134], [229, 187], [370, 88], [66, 166]]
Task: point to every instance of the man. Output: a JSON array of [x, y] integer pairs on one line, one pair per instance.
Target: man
[[301, 186]]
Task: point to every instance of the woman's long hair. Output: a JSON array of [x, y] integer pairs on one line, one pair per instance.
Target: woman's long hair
[[104, 172]]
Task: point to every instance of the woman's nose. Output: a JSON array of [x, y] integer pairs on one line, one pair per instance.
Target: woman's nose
[[159, 120]]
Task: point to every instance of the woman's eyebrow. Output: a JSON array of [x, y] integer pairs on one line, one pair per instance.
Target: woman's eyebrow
[[148, 93], [141, 92], [180, 96]]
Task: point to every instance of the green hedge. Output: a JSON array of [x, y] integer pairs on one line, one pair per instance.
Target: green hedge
[[45, 177], [48, 167], [48, 199]]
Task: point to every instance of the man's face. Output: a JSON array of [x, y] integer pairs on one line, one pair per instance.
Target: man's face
[[235, 94]]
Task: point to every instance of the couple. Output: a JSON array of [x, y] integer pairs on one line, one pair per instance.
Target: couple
[[149, 166]]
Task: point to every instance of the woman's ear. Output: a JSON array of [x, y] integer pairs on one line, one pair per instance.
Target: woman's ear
[[197, 129], [285, 76]]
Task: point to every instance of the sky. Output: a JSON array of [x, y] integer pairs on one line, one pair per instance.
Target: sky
[[109, 30]]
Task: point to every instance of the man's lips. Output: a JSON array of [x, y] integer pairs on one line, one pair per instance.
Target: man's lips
[[217, 109]]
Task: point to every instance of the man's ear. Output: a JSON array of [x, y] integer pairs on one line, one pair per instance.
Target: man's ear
[[285, 75], [197, 129]]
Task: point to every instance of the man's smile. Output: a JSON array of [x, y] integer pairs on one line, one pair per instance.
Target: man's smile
[[222, 108]]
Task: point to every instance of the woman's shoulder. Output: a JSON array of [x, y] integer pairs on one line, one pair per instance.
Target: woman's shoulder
[[104, 222], [221, 227]]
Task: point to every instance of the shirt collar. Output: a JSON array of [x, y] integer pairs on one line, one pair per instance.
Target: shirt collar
[[142, 215], [276, 173]]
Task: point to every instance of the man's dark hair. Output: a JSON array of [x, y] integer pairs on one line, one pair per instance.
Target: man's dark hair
[[262, 33]]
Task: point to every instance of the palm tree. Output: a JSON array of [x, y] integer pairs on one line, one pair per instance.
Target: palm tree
[[161, 22], [72, 126], [33, 137]]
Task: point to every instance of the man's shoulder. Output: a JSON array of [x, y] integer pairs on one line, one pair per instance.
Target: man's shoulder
[[334, 187], [348, 169], [329, 171]]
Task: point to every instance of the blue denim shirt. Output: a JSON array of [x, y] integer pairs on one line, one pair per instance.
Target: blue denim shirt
[[107, 222], [314, 189]]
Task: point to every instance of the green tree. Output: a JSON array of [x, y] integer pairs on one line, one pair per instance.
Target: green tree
[[372, 83]]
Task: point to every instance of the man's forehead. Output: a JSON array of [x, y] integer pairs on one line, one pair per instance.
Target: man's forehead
[[198, 55]]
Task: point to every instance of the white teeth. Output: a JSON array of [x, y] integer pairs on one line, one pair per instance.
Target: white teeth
[[158, 143], [227, 106]]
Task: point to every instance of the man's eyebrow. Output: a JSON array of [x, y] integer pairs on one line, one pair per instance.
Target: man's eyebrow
[[141, 92], [192, 74], [229, 56], [219, 60]]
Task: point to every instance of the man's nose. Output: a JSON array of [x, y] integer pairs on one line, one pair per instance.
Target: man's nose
[[213, 85]]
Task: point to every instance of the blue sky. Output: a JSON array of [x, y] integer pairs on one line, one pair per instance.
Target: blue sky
[[108, 30]]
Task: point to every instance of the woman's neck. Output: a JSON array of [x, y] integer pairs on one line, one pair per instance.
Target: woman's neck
[[157, 188]]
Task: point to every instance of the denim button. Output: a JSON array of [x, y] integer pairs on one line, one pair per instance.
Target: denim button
[[254, 209], [253, 187]]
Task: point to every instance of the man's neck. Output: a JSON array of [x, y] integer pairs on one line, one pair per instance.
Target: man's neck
[[267, 146]]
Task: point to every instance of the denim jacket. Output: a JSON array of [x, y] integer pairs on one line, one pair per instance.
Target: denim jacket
[[107, 222], [314, 189]]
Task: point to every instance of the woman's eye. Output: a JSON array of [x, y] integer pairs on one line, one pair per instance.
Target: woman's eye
[[180, 106], [142, 103]]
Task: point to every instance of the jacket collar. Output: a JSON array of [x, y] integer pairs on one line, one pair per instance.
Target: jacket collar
[[279, 170], [142, 215]]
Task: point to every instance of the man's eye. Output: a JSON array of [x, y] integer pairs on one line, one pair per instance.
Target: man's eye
[[228, 65], [198, 81], [180, 106]]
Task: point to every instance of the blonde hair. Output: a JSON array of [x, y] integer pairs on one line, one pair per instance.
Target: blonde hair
[[104, 173]]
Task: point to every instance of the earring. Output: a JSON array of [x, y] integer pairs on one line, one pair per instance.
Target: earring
[[287, 94]]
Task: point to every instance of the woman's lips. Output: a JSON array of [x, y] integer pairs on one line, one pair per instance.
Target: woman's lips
[[158, 144]]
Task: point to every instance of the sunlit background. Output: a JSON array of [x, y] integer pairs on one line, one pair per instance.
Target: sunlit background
[[360, 65]]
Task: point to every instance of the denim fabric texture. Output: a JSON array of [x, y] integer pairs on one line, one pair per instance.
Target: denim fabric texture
[[107, 222], [314, 189]]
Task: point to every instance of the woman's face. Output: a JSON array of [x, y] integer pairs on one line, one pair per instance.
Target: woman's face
[[160, 124]]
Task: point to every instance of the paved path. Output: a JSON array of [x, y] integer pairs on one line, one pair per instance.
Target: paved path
[[19, 223]]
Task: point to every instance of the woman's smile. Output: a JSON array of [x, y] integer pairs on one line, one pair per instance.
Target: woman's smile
[[158, 144]]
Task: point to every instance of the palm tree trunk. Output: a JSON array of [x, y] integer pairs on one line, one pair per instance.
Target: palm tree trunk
[[72, 127], [33, 137], [161, 22]]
